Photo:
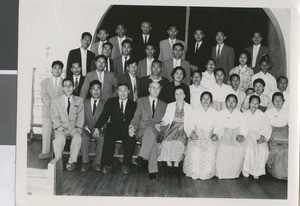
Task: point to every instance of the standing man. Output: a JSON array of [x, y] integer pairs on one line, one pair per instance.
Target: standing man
[[119, 110], [149, 112], [81, 55], [106, 50], [144, 67], [67, 115], [78, 79], [132, 80], [51, 88], [97, 48]]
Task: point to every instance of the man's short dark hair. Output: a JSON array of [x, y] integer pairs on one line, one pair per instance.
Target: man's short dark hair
[[77, 62], [95, 82], [67, 79], [101, 56], [109, 44], [127, 41], [101, 28], [282, 77], [123, 84], [277, 94], [131, 61], [86, 34], [156, 61], [57, 62], [178, 44]]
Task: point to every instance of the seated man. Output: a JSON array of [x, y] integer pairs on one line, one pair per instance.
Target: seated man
[[120, 111], [149, 112], [78, 79], [67, 115], [92, 109]]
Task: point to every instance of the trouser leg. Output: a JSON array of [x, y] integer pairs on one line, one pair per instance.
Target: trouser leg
[[128, 147], [108, 149], [75, 147], [46, 135], [85, 147], [99, 148], [59, 144]]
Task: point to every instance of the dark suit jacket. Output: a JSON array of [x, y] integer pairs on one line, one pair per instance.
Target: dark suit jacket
[[200, 57], [168, 68], [142, 68], [119, 68], [263, 50], [145, 82], [77, 89], [127, 80], [108, 89], [90, 119], [75, 56], [119, 123], [226, 59], [167, 93], [116, 48], [139, 46]]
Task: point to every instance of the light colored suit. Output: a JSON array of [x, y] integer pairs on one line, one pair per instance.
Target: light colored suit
[[168, 67], [166, 49], [116, 47], [89, 122], [144, 124], [226, 59], [60, 118], [108, 88], [48, 93], [94, 48]]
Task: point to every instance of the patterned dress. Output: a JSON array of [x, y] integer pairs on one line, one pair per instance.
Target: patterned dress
[[245, 74]]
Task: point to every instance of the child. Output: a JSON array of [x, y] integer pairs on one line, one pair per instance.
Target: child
[[196, 89], [219, 90], [235, 82], [270, 81], [116, 41], [208, 77], [245, 73], [176, 61], [257, 151], [165, 46], [144, 68], [102, 34]]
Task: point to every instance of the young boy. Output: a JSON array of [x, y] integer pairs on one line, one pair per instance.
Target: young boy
[[268, 78], [102, 34], [78, 79], [166, 46], [116, 41], [241, 95], [208, 77], [223, 54], [177, 60], [196, 89], [50, 89], [144, 67]]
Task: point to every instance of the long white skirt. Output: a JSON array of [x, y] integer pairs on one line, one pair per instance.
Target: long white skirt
[[256, 155], [230, 155]]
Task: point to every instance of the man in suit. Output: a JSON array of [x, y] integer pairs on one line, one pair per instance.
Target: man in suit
[[131, 79], [108, 80], [97, 48], [67, 115], [116, 41], [149, 112], [120, 111], [92, 109], [120, 62], [146, 37], [81, 55], [165, 46], [50, 89], [107, 48], [78, 79], [199, 53], [257, 52], [144, 67], [223, 54], [155, 76], [169, 65]]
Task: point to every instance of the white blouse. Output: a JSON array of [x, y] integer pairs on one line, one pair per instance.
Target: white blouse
[[241, 95], [220, 92], [195, 93], [277, 119], [207, 80]]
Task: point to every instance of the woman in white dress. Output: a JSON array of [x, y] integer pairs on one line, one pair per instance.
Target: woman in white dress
[[200, 158], [257, 151], [231, 147], [278, 116], [196, 89]]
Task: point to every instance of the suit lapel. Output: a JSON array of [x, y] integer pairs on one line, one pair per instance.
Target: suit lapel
[[148, 106], [63, 106], [89, 111], [98, 111], [222, 52]]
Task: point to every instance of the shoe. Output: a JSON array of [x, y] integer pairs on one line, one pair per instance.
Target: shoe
[[70, 166], [97, 167], [45, 156], [125, 170], [138, 161], [152, 176], [256, 177], [107, 169], [84, 167], [245, 174]]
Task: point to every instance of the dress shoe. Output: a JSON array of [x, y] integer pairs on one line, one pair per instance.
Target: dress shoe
[[84, 167], [138, 161], [70, 166], [97, 167], [45, 155], [107, 169], [125, 170], [245, 174], [152, 176]]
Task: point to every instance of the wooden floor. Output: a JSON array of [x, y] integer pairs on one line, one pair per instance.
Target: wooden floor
[[167, 185]]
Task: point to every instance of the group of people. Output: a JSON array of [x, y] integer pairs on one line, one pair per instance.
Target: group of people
[[219, 120]]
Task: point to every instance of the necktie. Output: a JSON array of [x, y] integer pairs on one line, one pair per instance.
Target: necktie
[[196, 49], [135, 96], [125, 65], [153, 108], [56, 81], [145, 42], [69, 105], [94, 107], [76, 82], [100, 79], [219, 50], [122, 107], [172, 43]]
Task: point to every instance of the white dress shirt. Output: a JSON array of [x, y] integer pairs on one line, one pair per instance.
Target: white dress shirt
[[151, 100], [66, 100], [176, 62], [172, 41], [254, 54], [124, 104], [147, 37], [120, 40], [199, 44], [123, 61], [217, 47], [74, 80], [92, 103], [56, 81], [83, 60], [149, 63], [100, 47], [100, 77]]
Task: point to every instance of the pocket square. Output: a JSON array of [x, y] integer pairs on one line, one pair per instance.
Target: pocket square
[[76, 105]]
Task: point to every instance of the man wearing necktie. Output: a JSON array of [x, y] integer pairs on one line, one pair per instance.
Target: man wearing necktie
[[131, 79], [67, 115], [78, 79], [106, 50], [92, 109], [119, 110], [150, 111]]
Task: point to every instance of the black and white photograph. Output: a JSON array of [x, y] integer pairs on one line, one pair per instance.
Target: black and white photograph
[[157, 103]]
